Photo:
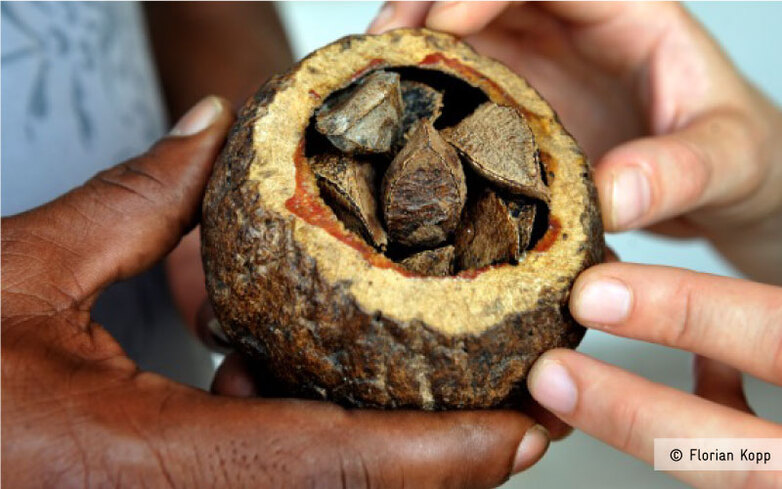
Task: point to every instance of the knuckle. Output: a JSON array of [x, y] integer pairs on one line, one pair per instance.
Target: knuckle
[[694, 170], [625, 415], [683, 330], [352, 464], [749, 137], [289, 460], [354, 473], [348, 465], [132, 188], [776, 360], [121, 180]]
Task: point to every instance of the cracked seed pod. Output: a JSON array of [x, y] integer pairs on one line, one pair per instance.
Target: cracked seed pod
[[423, 190], [435, 263], [331, 316], [513, 165], [347, 184], [367, 118]]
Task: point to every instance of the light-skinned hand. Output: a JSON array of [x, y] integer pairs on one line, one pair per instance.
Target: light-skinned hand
[[680, 140], [683, 145]]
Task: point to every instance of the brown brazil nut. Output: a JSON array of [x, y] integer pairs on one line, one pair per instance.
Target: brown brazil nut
[[332, 311]]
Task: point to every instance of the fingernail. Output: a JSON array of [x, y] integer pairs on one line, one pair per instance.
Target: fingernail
[[532, 447], [199, 117], [602, 302], [630, 196], [551, 385], [382, 18]]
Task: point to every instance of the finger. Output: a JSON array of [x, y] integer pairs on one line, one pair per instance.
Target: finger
[[629, 412], [123, 219], [463, 18], [710, 163], [209, 330], [234, 377], [399, 14], [730, 320], [720, 383], [242, 376], [226, 442], [556, 428]]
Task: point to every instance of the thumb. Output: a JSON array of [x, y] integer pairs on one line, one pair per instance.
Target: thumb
[[123, 219], [711, 163], [227, 442]]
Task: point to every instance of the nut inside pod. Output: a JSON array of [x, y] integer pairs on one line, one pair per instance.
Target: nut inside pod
[[397, 222]]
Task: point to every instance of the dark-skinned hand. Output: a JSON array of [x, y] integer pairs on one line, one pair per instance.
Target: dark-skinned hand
[[77, 412]]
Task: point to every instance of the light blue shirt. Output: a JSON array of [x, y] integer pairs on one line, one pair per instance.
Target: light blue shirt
[[80, 94]]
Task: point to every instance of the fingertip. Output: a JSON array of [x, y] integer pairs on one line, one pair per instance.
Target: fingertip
[[556, 428], [585, 278], [622, 178], [207, 112], [600, 301], [233, 378], [393, 15], [652, 179], [531, 448], [553, 355], [443, 17], [463, 18], [629, 196], [551, 384], [382, 18], [225, 119]]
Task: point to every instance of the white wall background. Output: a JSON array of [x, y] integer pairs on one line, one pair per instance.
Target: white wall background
[[751, 35]]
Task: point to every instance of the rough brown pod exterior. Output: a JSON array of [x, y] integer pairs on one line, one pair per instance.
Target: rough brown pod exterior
[[333, 318]]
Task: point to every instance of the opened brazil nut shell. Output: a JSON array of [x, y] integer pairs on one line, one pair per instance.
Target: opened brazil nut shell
[[316, 273]]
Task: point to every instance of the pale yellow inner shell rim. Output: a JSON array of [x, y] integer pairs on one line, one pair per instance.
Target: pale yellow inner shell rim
[[472, 305]]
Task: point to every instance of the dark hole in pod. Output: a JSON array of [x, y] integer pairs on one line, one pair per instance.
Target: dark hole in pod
[[398, 252], [460, 98], [540, 226], [315, 143], [543, 170]]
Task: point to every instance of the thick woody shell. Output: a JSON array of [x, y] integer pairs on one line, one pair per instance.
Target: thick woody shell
[[333, 318]]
